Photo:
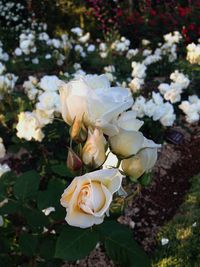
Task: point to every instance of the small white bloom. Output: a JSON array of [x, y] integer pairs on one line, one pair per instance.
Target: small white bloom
[[164, 241]]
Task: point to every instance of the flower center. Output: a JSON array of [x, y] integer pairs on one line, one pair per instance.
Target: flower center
[[91, 198]]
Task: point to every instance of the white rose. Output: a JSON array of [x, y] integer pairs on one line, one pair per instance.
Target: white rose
[[92, 100], [49, 101], [44, 116], [88, 197], [28, 127], [50, 83]]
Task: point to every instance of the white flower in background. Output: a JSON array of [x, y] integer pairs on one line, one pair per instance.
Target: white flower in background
[[30, 87], [103, 50], [1, 221], [145, 42], [131, 53], [2, 68], [78, 31], [179, 78], [91, 48], [173, 91], [151, 59], [173, 37], [28, 127], [49, 210], [7, 83], [169, 117], [173, 95], [91, 99], [138, 74], [85, 38], [44, 116], [35, 61], [164, 88], [121, 45], [78, 48], [139, 70], [3, 169], [164, 241], [50, 83], [2, 149], [109, 72], [138, 106], [27, 43], [49, 101], [191, 108], [193, 53], [87, 199], [48, 56], [18, 52], [43, 36], [146, 52], [149, 108], [136, 84]]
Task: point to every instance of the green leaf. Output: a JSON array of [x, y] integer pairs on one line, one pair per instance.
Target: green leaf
[[35, 218], [27, 185], [51, 196], [10, 207], [28, 244], [74, 243], [6, 181], [61, 170], [121, 247], [47, 247]]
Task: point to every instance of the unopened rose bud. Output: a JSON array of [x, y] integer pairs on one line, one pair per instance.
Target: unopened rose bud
[[142, 162], [93, 153], [78, 132], [74, 163], [117, 206]]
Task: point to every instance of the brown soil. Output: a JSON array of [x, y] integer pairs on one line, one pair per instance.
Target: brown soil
[[158, 203]]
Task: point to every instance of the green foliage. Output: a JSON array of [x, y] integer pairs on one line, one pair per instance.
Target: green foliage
[[121, 247], [74, 243], [28, 244], [183, 248], [26, 186]]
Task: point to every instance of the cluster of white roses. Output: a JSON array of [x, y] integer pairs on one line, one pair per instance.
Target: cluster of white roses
[[26, 44], [191, 108], [172, 92], [30, 41], [10, 11], [121, 45], [138, 74], [155, 108], [47, 103], [193, 53], [98, 116]]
